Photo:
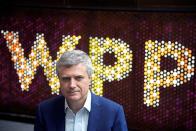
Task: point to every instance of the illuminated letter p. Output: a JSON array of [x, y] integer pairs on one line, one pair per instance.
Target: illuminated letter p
[[121, 67], [154, 77]]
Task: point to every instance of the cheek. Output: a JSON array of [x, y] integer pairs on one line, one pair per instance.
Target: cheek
[[63, 86], [86, 84]]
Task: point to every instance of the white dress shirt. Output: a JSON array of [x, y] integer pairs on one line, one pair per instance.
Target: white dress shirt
[[78, 121]]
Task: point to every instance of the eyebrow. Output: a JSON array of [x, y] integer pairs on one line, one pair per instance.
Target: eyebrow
[[63, 77]]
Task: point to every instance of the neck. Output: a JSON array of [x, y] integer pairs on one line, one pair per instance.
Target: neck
[[75, 106]]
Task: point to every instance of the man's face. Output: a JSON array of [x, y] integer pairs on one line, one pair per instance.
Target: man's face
[[74, 82]]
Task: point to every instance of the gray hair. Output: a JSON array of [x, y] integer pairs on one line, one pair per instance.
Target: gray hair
[[74, 57]]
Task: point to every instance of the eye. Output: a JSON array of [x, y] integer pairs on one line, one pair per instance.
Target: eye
[[79, 78], [65, 79]]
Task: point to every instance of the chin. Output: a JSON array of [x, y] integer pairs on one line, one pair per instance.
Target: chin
[[73, 98]]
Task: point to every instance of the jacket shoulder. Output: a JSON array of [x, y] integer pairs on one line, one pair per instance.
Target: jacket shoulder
[[107, 102], [52, 102]]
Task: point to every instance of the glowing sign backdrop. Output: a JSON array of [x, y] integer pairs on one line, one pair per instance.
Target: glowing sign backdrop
[[145, 61]]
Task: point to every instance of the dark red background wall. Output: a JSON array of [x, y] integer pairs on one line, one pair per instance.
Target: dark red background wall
[[177, 105], [134, 22]]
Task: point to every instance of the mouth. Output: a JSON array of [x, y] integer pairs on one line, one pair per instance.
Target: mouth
[[72, 92]]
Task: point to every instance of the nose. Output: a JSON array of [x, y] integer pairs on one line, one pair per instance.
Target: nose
[[72, 83]]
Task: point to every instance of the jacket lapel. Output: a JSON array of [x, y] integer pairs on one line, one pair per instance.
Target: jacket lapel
[[60, 115], [94, 114]]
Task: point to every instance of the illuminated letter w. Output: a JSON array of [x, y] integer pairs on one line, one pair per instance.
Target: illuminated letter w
[[39, 56]]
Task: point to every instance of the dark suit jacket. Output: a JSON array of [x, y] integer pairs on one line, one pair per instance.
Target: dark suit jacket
[[105, 115]]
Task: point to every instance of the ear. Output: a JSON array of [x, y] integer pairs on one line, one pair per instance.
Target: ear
[[90, 83]]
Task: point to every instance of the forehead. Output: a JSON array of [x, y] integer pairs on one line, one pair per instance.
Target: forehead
[[79, 69]]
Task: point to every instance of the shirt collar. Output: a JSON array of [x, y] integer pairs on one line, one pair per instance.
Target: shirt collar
[[87, 103]]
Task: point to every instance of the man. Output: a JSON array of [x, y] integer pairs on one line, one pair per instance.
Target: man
[[78, 109]]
